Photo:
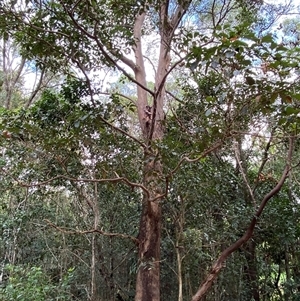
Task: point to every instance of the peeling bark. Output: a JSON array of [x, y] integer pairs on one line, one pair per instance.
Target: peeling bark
[[148, 277]]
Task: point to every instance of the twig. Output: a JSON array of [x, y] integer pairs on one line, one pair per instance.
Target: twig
[[265, 158]]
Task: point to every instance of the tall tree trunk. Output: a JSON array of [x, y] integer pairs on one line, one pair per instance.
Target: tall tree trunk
[[148, 276]]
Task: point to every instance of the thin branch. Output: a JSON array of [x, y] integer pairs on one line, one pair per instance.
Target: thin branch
[[81, 67], [151, 63], [101, 118], [111, 180], [173, 96], [265, 158], [123, 132], [178, 15], [239, 162], [75, 5], [161, 85], [118, 94], [36, 90], [187, 159], [20, 69], [213, 13], [110, 59], [157, 92], [103, 51], [67, 231], [41, 29]]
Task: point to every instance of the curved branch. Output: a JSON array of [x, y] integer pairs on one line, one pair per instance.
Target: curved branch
[[101, 118], [36, 90], [110, 59], [265, 158], [81, 67], [219, 263], [157, 93], [242, 171], [173, 96], [118, 94]]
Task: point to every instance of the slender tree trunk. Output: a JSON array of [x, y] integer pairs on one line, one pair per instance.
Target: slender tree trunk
[[251, 270], [179, 273], [94, 291], [179, 246]]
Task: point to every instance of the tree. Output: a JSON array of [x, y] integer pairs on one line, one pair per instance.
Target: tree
[[16, 88], [217, 54]]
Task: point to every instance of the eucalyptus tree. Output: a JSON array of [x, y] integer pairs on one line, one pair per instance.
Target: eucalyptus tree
[[228, 77]]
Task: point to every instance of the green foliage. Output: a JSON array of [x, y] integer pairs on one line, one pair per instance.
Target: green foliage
[[52, 140], [31, 283], [64, 40]]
